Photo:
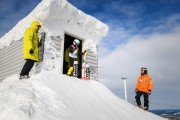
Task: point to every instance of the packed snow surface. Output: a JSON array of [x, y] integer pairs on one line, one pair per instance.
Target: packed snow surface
[[53, 96]]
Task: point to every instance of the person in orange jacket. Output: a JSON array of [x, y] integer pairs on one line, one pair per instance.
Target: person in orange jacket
[[144, 87]]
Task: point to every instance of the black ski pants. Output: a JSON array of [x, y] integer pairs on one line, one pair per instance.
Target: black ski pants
[[71, 60], [27, 67], [146, 98]]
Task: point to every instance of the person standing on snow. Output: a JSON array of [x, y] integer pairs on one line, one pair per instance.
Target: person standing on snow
[[144, 87], [30, 48], [72, 54]]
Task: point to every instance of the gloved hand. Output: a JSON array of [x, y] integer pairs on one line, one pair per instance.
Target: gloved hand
[[84, 53], [75, 51], [31, 51], [40, 44], [149, 92], [136, 90]]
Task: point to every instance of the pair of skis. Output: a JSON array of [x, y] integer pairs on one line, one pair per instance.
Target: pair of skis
[[87, 71], [86, 68], [75, 72]]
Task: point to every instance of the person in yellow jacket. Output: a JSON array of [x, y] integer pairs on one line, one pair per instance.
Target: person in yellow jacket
[[30, 48], [144, 87]]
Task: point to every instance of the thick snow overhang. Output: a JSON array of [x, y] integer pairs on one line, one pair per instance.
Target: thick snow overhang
[[55, 16]]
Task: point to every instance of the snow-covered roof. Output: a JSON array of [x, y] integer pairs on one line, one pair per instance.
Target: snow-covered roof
[[53, 13]]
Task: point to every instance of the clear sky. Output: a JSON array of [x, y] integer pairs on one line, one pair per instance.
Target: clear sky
[[142, 33]]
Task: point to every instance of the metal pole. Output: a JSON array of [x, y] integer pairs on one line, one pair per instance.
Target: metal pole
[[125, 89]]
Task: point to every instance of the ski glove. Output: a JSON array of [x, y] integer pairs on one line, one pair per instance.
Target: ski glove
[[149, 92], [136, 90], [31, 51], [84, 53], [75, 51], [40, 44]]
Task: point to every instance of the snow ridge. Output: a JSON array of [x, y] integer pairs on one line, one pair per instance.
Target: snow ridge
[[52, 96], [28, 100]]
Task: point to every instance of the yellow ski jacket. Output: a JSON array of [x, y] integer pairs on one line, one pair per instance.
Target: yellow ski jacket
[[31, 41]]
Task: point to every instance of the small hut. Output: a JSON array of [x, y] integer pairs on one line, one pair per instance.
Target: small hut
[[61, 24]]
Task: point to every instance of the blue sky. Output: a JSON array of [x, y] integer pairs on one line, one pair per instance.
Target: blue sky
[[13, 11], [132, 16], [142, 33]]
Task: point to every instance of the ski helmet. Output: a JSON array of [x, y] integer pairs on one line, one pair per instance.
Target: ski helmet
[[76, 42]]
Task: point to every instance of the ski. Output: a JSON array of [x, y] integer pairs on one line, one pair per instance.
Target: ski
[[86, 68], [75, 72]]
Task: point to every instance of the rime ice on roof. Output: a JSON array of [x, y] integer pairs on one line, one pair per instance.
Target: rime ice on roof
[[55, 16]]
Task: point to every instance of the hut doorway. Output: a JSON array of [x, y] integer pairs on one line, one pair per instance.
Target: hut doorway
[[68, 41]]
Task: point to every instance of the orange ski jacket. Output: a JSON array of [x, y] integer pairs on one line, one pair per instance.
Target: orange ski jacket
[[144, 83]]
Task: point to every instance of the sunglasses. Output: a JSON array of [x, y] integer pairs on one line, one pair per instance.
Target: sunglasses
[[38, 26], [143, 69]]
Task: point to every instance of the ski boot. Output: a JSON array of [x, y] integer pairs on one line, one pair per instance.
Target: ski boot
[[23, 77], [146, 108], [140, 106], [70, 71]]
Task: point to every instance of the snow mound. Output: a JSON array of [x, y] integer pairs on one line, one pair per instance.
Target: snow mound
[[53, 96]]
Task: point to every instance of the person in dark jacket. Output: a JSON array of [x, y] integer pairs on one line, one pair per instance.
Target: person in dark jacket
[[72, 54], [30, 49]]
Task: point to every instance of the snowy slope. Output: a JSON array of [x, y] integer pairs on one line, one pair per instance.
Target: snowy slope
[[52, 96]]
